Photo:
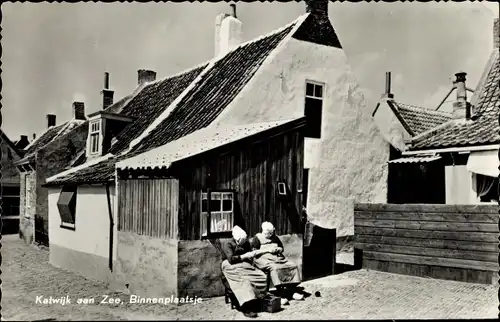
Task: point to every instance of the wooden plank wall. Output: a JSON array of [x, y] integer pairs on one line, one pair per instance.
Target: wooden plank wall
[[251, 172], [458, 242], [149, 207]]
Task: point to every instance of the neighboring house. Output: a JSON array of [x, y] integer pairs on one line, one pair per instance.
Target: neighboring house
[[57, 149], [9, 180], [297, 71], [458, 159]]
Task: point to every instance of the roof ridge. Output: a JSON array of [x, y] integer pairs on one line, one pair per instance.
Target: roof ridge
[[271, 33], [220, 57], [182, 72], [421, 108]]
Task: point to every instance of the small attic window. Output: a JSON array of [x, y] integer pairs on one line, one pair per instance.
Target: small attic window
[[95, 132]]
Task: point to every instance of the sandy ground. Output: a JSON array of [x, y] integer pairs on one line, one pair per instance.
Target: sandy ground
[[362, 294]]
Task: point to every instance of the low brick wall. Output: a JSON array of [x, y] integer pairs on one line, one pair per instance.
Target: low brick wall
[[456, 242]]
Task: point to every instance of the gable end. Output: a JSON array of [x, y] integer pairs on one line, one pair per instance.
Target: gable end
[[318, 29]]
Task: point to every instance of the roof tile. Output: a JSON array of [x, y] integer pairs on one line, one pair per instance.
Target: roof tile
[[421, 119]]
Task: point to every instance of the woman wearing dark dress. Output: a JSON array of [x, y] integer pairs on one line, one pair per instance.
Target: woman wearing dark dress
[[246, 281], [284, 274]]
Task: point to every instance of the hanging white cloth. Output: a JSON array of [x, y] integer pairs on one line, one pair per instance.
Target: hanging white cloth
[[484, 162]]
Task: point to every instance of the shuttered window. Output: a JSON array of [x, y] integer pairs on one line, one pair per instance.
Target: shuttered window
[[67, 206]]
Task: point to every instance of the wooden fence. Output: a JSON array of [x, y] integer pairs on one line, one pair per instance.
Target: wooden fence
[[149, 207], [457, 242]]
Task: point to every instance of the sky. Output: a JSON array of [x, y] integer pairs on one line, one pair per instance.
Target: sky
[[57, 53]]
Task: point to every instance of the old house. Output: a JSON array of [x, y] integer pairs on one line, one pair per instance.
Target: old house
[[219, 143], [58, 148], [10, 153], [451, 158]]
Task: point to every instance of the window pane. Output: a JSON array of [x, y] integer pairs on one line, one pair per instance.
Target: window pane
[[318, 91], [215, 205], [204, 195], [221, 222], [215, 196], [309, 89], [204, 205], [227, 205], [227, 196]]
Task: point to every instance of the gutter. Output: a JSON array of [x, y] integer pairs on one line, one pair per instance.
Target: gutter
[[111, 225], [462, 149]]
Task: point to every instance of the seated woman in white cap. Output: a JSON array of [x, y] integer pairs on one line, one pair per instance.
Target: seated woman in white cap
[[246, 281], [284, 274]]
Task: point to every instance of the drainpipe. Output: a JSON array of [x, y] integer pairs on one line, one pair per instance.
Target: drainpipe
[[111, 224]]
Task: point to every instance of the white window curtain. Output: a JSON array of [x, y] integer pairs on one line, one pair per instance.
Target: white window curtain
[[484, 184]]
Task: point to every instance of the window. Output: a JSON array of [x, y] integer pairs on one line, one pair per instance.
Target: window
[[313, 109], [95, 132], [67, 207], [221, 212]]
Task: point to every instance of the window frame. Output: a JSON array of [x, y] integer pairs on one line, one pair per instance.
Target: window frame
[[95, 127], [207, 215], [313, 134]]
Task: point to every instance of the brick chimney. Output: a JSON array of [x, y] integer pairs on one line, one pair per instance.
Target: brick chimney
[[496, 34], [23, 142], [318, 7], [387, 94], [79, 111], [228, 31], [34, 136], [461, 108], [145, 76], [51, 120], [107, 94]]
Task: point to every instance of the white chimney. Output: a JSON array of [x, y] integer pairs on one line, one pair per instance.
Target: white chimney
[[227, 32]]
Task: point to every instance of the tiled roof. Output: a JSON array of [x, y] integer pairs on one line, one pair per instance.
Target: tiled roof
[[482, 129], [150, 103], [43, 139], [48, 136], [420, 119], [219, 83], [198, 142]]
